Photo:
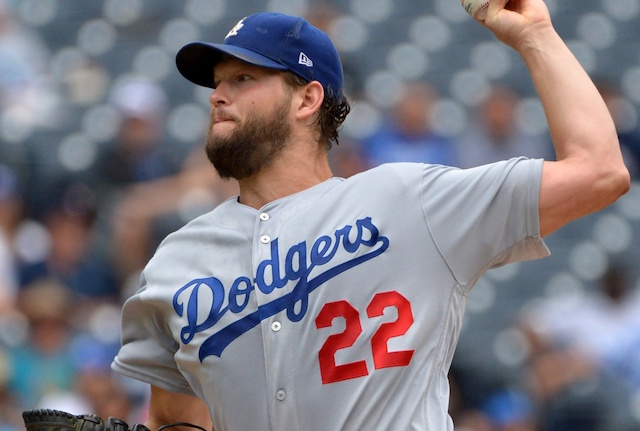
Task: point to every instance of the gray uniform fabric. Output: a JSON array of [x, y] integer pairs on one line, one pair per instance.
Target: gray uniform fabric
[[336, 308]]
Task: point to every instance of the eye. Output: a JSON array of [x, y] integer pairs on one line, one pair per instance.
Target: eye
[[241, 77]]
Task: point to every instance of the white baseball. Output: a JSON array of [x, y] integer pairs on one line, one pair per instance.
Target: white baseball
[[476, 8]]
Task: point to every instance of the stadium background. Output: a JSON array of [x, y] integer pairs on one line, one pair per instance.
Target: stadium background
[[57, 125]]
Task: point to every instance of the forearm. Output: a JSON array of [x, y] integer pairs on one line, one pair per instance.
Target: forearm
[[168, 407], [579, 121], [589, 173]]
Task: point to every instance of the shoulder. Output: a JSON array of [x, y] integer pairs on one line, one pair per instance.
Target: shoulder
[[437, 179], [390, 172], [518, 166], [400, 173]]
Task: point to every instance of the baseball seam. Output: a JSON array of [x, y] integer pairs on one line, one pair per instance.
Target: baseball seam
[[481, 8]]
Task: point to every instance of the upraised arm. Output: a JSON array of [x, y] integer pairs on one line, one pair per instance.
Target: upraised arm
[[589, 173]]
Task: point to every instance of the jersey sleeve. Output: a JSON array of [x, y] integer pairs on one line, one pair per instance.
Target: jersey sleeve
[[484, 217], [148, 349]]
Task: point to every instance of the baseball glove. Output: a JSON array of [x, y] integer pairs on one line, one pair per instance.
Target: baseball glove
[[56, 420]]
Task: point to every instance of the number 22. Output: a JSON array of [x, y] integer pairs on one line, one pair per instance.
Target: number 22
[[382, 357]]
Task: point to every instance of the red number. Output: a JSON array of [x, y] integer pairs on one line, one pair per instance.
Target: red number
[[329, 371], [382, 357]]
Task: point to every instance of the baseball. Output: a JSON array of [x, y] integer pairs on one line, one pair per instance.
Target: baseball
[[476, 8]]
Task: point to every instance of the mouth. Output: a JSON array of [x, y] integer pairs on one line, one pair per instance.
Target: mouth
[[222, 117], [221, 125]]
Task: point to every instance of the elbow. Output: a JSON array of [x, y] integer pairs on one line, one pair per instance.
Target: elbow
[[621, 178], [624, 181], [616, 182], [613, 179]]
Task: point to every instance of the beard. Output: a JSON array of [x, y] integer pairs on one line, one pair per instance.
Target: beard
[[252, 146]]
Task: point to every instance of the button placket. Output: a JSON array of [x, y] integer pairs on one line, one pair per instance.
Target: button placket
[[275, 326], [264, 239]]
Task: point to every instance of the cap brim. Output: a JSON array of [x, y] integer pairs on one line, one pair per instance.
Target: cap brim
[[196, 60]]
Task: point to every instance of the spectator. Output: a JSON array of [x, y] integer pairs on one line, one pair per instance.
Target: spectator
[[481, 401], [43, 364], [572, 344], [138, 153], [407, 136], [10, 215], [494, 133], [94, 383], [69, 221], [10, 411]]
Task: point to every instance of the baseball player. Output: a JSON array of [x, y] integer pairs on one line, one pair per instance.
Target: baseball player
[[311, 302]]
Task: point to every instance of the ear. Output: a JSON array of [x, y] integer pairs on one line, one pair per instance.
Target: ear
[[310, 99]]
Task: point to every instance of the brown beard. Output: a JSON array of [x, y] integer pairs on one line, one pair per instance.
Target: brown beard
[[252, 146]]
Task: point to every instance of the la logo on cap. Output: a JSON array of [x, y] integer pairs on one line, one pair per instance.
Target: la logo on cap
[[234, 30]]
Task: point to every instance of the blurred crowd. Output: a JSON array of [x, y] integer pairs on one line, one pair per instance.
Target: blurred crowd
[[72, 246]]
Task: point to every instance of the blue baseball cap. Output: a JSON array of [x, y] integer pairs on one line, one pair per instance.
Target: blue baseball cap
[[271, 40]]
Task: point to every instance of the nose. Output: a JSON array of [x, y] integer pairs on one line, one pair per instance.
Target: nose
[[214, 98], [219, 95]]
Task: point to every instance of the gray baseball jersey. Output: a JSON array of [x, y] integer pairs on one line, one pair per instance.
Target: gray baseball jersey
[[336, 308]]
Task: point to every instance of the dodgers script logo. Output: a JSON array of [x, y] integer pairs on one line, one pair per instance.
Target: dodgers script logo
[[365, 243]]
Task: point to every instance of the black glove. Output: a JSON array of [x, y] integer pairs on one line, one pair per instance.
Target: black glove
[[56, 420]]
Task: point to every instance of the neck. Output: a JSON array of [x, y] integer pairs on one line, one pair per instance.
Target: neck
[[294, 171]]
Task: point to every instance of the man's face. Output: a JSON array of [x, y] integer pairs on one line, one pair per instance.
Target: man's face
[[250, 119]]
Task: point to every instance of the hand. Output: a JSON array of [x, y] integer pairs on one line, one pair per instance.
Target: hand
[[517, 22]]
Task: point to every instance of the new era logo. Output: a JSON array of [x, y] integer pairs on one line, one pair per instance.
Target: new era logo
[[304, 60]]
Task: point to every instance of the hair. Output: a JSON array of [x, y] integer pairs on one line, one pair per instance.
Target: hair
[[333, 112]]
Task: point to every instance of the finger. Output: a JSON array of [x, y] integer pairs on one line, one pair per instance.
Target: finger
[[495, 6]]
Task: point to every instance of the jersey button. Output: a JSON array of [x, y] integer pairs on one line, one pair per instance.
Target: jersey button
[[265, 239], [281, 395], [276, 326], [264, 216]]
